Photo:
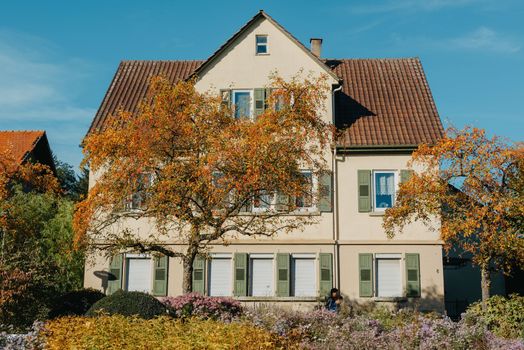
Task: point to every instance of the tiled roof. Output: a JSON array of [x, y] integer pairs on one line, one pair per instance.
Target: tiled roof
[[383, 102], [20, 143], [130, 84]]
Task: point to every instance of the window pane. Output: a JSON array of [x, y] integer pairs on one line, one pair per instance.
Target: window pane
[[261, 39], [262, 48], [242, 103], [384, 190], [263, 201]]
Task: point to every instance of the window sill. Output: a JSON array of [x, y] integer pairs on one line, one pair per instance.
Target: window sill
[[271, 299], [377, 213], [262, 54], [390, 299]]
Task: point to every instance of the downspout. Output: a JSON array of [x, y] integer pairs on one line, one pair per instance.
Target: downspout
[[335, 197]]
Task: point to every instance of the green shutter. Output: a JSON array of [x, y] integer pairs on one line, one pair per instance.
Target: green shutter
[[283, 274], [365, 267], [405, 174], [412, 275], [199, 269], [260, 101], [160, 276], [240, 289], [326, 273], [114, 282], [325, 202], [364, 191]]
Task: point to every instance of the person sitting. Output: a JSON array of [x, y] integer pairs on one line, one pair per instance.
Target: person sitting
[[334, 300]]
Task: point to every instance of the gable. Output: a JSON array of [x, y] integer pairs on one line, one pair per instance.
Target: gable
[[237, 65]]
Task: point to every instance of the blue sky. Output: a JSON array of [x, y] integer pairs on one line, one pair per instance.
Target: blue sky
[[57, 58]]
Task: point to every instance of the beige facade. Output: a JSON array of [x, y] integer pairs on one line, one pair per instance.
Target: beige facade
[[344, 232]]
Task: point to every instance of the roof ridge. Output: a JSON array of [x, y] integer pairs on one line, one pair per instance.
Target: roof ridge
[[373, 58], [20, 131], [192, 60]]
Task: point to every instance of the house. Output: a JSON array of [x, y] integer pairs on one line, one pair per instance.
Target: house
[[387, 109], [27, 145]]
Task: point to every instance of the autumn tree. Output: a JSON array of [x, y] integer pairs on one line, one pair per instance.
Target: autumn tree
[[475, 185], [198, 174], [37, 259]]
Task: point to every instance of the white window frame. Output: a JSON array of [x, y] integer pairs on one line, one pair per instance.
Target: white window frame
[[266, 44], [314, 190], [251, 101], [310, 209], [266, 209], [374, 187], [388, 256]]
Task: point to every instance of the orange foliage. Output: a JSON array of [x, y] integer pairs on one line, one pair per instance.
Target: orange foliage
[[205, 165], [475, 184]]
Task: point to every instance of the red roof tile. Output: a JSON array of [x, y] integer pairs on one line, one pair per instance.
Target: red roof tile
[[130, 84], [384, 102], [20, 143]]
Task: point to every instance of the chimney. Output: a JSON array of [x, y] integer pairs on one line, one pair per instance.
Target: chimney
[[316, 46]]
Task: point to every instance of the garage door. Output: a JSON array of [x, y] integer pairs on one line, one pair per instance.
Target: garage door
[[304, 277], [262, 279], [220, 273], [389, 281], [139, 275]]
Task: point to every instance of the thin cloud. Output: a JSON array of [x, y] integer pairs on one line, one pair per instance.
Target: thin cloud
[[39, 89], [411, 5], [33, 80], [482, 39], [486, 39]]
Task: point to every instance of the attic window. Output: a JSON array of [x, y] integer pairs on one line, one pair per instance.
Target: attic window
[[261, 45]]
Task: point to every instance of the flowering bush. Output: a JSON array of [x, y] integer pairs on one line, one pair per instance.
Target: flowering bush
[[503, 316], [401, 329], [197, 305]]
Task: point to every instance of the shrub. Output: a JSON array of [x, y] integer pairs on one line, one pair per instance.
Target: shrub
[[75, 303], [197, 305], [128, 304], [401, 329], [118, 332], [503, 316]]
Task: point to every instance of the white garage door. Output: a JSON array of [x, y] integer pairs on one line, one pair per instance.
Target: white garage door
[[304, 277], [139, 275], [262, 277], [220, 273], [389, 281]]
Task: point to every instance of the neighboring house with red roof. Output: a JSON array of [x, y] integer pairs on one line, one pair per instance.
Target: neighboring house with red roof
[[387, 110], [27, 145]]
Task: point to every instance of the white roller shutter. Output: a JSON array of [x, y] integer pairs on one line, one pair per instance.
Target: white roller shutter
[[220, 274], [389, 282], [304, 277], [262, 279], [139, 275]]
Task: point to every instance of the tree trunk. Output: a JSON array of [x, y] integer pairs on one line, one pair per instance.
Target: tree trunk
[[485, 283], [187, 283]]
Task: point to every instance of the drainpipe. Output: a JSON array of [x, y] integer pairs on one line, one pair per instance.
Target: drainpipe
[[335, 198]]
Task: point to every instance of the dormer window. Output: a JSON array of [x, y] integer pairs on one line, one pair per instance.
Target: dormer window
[[261, 48]]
